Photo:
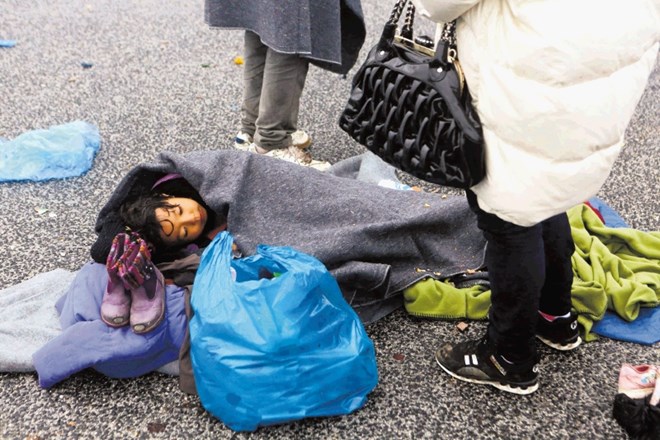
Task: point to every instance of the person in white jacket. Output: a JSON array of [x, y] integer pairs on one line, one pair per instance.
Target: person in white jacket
[[555, 84]]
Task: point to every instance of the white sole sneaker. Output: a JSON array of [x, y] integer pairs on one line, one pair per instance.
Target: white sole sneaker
[[243, 141], [299, 139], [298, 156]]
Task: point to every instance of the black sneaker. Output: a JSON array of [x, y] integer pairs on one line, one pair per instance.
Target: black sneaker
[[476, 361], [560, 334]]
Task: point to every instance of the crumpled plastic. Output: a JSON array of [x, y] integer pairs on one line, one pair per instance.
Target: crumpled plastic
[[61, 151]]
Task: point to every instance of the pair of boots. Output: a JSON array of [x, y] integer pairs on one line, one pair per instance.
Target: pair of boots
[[135, 293]]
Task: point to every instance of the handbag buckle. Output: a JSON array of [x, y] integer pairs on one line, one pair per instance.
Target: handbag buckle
[[414, 46], [451, 55]]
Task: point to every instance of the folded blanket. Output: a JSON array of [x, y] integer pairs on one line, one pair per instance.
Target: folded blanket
[[436, 299], [30, 319]]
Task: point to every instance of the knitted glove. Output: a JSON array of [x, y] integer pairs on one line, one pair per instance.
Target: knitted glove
[[136, 266], [114, 263]]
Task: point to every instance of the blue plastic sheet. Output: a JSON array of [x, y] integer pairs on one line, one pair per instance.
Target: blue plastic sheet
[[61, 151], [273, 340]]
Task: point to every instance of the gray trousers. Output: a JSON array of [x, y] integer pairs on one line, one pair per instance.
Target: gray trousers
[[272, 85]]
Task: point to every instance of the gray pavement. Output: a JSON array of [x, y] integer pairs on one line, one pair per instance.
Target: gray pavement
[[161, 80]]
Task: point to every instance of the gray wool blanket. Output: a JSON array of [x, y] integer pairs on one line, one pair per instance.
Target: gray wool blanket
[[376, 241]]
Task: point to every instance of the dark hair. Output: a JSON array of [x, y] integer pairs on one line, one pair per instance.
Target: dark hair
[[140, 216]]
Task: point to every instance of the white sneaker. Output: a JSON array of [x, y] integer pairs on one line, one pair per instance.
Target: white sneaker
[[243, 141], [300, 139], [298, 156]]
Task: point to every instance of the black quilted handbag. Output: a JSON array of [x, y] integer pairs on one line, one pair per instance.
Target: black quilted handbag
[[409, 104]]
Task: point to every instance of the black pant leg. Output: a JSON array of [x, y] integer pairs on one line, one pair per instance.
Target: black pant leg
[[559, 247]]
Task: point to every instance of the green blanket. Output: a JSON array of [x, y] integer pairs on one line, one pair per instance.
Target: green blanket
[[614, 268]]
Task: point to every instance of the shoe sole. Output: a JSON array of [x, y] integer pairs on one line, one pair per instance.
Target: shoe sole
[[500, 386], [245, 146], [636, 393], [242, 147], [111, 323], [560, 347]]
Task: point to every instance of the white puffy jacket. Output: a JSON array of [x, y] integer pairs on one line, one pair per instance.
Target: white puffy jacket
[[555, 83]]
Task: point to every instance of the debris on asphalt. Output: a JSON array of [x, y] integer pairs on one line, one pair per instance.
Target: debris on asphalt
[[462, 326], [61, 151], [154, 427]]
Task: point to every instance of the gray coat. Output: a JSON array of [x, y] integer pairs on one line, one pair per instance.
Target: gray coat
[[329, 33], [375, 241]]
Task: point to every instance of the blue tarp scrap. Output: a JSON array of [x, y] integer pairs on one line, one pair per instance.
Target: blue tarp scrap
[[60, 151], [7, 43]]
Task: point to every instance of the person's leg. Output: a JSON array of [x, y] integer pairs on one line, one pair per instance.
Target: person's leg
[[506, 357], [253, 72], [559, 247], [557, 327], [516, 263], [283, 82], [516, 269]]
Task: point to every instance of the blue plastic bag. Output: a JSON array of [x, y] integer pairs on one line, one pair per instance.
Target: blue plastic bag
[[272, 350], [61, 151]]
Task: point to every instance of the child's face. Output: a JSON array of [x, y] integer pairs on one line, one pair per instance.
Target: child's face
[[183, 223]]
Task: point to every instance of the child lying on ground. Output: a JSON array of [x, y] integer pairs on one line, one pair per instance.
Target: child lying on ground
[[375, 241], [168, 223]]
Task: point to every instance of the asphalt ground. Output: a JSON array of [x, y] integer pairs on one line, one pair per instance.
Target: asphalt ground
[[162, 80]]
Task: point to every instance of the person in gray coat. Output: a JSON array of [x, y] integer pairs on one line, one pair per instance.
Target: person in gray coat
[[281, 39]]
